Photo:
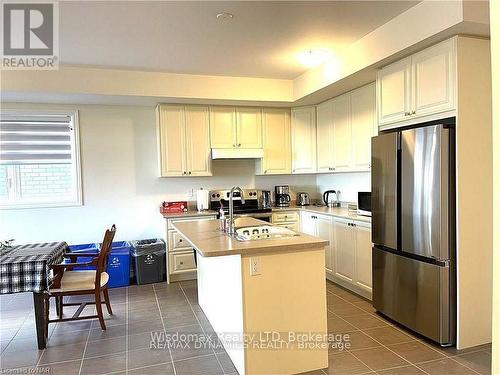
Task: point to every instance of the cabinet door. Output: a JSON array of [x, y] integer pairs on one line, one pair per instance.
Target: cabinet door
[[222, 127], [198, 159], [362, 124], [276, 141], [308, 223], [393, 92], [249, 127], [433, 79], [363, 241], [344, 249], [172, 140], [324, 136], [342, 137], [304, 140], [324, 230]]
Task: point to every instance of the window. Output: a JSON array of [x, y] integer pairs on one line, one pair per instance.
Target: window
[[39, 159]]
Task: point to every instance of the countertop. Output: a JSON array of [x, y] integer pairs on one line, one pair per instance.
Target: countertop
[[205, 237], [342, 212], [194, 213]]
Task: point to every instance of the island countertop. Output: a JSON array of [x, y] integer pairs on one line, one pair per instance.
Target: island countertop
[[208, 241]]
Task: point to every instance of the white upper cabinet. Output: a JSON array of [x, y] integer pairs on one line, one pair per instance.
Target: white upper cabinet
[[345, 126], [249, 127], [364, 126], [304, 140], [232, 127], [184, 141], [421, 85], [433, 79], [276, 142], [342, 135], [393, 92], [324, 137], [198, 160], [172, 140], [222, 127]]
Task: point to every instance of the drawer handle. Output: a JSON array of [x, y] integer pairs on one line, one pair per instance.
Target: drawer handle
[[180, 240], [181, 263]]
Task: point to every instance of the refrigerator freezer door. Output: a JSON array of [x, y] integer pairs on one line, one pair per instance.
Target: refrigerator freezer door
[[384, 190], [415, 294], [424, 192]]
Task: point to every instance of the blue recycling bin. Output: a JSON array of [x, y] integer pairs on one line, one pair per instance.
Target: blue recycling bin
[[89, 248], [118, 267], [119, 264]]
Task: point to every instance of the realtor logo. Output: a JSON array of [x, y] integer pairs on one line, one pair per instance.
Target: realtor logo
[[30, 35]]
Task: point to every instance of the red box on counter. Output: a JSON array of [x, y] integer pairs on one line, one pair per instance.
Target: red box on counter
[[173, 207]]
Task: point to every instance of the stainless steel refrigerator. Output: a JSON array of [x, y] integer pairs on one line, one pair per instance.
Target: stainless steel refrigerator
[[413, 229]]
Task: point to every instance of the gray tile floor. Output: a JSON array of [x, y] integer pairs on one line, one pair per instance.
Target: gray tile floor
[[374, 344]]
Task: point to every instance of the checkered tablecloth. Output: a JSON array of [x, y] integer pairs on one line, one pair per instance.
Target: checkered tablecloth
[[25, 268]]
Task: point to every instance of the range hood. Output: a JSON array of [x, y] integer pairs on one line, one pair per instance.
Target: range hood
[[237, 153]]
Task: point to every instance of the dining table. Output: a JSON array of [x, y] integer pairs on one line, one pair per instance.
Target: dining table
[[25, 268]]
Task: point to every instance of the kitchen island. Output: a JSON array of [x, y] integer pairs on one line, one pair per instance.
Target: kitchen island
[[265, 299]]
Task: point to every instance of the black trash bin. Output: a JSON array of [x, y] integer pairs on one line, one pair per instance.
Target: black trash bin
[[148, 258]]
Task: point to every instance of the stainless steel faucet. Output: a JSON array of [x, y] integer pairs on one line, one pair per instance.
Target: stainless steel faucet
[[231, 208]]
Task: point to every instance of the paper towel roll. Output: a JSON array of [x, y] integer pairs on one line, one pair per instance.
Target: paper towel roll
[[202, 200]]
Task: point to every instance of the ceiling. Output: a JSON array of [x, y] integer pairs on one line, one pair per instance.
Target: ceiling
[[262, 39]]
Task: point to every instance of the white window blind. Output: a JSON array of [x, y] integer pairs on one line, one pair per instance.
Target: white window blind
[[39, 161]]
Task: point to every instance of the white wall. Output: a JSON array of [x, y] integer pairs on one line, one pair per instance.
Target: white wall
[[348, 183], [120, 183]]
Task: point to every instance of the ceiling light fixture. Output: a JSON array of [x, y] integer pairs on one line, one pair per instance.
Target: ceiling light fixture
[[314, 57], [225, 16]]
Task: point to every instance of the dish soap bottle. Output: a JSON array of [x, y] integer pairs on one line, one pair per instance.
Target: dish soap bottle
[[222, 220]]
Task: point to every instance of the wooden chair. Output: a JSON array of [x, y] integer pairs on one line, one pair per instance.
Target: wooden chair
[[67, 282]]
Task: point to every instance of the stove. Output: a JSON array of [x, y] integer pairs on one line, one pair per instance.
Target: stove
[[253, 206]]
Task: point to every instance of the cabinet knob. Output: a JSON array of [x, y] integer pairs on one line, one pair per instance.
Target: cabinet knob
[[239, 144], [413, 112], [189, 172], [184, 172], [234, 144], [407, 113], [265, 171], [181, 263]]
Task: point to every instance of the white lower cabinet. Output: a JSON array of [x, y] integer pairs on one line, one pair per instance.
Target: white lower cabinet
[[324, 230], [180, 254], [320, 226], [344, 249], [348, 257], [363, 234], [353, 255]]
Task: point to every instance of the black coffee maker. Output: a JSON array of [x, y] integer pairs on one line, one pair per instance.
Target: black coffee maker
[[282, 196]]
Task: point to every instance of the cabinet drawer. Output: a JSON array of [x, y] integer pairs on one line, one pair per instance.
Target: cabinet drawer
[[176, 241], [283, 217], [291, 226], [182, 262]]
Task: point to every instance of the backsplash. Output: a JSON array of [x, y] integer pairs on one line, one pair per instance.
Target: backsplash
[[348, 183]]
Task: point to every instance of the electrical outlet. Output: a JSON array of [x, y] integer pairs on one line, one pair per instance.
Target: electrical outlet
[[190, 193], [254, 266]]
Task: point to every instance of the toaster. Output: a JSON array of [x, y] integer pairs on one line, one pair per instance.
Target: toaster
[[303, 199]]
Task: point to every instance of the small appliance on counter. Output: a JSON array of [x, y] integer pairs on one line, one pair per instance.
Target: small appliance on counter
[[202, 200], [364, 203], [282, 196], [173, 207], [331, 198], [266, 199], [303, 199]]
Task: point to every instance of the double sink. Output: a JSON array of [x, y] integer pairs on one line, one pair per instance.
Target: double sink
[[263, 232]]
